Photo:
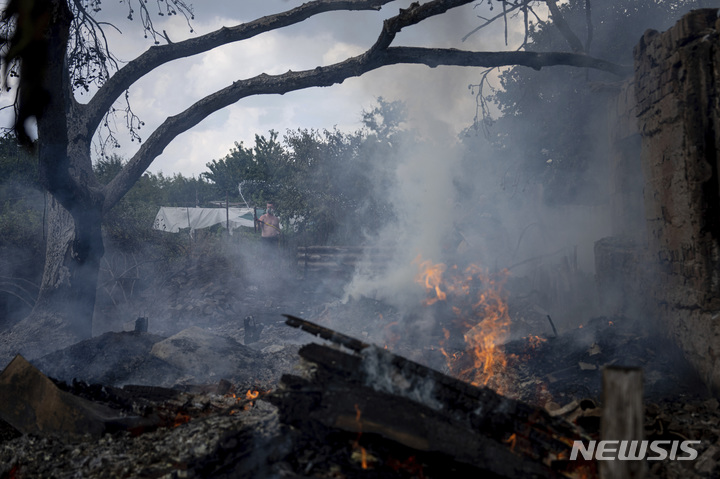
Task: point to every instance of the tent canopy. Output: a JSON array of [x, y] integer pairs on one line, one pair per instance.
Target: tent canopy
[[172, 219]]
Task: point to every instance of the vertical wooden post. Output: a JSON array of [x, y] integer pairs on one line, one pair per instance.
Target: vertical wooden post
[[189, 226], [622, 419]]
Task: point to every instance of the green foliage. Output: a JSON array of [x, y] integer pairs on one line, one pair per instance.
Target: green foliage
[[385, 119], [21, 198], [17, 164], [259, 170], [554, 121], [22, 203], [21, 223], [128, 225], [331, 185]]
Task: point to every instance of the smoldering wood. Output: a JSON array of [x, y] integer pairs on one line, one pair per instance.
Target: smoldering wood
[[141, 324], [552, 325], [325, 333], [623, 418], [420, 408], [31, 403]]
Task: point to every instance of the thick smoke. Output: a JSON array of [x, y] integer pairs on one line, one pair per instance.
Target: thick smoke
[[521, 207], [424, 198]]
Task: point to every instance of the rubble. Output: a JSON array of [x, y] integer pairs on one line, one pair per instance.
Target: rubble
[[227, 429], [201, 353], [206, 421]]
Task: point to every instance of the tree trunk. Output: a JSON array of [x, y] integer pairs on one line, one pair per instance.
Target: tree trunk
[[64, 309], [63, 312], [72, 262]]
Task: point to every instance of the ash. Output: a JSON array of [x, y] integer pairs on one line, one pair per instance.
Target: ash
[[200, 448], [197, 347]]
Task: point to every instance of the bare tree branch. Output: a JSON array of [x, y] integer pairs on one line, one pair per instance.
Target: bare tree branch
[[505, 21], [164, 8], [588, 22], [327, 76], [413, 15], [155, 56], [502, 14], [482, 108], [562, 25], [89, 40]]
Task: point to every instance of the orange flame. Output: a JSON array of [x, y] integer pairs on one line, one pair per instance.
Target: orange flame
[[481, 311], [512, 440], [535, 341], [356, 445], [181, 418], [250, 394], [391, 333], [363, 460], [431, 275]]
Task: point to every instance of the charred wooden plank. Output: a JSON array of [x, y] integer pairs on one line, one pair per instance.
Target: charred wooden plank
[[411, 424], [325, 333], [32, 403], [374, 391]]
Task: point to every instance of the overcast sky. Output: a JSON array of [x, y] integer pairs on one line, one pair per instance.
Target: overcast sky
[[439, 101]]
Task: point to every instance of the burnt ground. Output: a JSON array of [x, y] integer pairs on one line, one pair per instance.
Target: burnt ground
[[209, 297]]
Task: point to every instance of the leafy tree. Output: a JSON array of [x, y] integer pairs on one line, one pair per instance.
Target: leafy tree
[[554, 121], [21, 198], [326, 180], [384, 120], [128, 224], [57, 47], [261, 170], [21, 222], [182, 191]]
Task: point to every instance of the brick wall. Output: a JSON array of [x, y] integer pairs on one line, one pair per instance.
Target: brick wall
[[676, 89]]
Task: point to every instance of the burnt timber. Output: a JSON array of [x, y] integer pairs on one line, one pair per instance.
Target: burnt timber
[[373, 393]]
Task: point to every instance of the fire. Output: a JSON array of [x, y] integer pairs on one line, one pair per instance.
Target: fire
[[485, 337], [431, 275], [512, 440], [535, 341], [356, 445], [180, 418], [363, 457], [481, 311], [250, 394], [391, 333]]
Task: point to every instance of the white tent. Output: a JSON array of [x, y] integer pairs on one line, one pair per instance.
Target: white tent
[[173, 219]]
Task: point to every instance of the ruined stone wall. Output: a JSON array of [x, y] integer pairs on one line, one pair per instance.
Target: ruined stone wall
[[626, 182], [677, 86]]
